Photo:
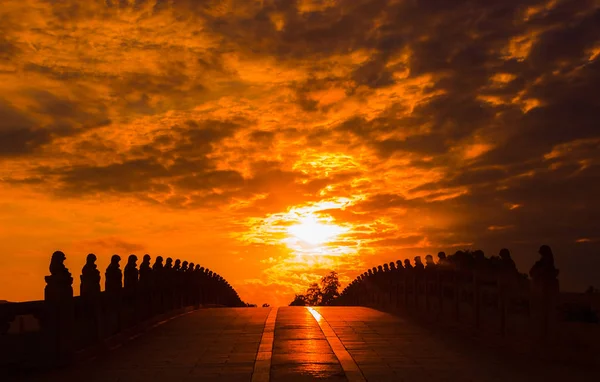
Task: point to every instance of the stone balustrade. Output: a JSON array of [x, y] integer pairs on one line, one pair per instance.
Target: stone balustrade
[[62, 327], [487, 298]]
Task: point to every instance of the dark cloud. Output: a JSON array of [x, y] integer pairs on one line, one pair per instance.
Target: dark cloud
[[23, 131], [373, 74], [399, 242], [262, 136], [469, 177], [60, 74], [213, 179], [177, 157], [8, 49], [18, 132], [129, 176], [381, 202], [568, 113]]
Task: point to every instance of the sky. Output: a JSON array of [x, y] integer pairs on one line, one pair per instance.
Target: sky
[[275, 140]]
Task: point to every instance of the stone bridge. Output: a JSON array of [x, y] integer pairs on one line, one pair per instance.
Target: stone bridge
[[390, 324]]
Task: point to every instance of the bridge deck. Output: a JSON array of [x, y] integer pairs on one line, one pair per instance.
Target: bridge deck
[[302, 344]]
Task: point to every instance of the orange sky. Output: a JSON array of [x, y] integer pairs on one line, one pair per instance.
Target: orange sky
[[273, 141]]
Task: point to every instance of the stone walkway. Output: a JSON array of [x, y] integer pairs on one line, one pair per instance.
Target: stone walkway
[[389, 348], [303, 344], [301, 352]]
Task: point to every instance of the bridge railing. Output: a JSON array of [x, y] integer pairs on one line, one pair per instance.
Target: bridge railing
[[498, 304], [62, 327]]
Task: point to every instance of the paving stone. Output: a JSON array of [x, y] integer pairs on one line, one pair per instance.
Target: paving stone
[[390, 348], [302, 346], [307, 372], [300, 350], [210, 344], [224, 344]]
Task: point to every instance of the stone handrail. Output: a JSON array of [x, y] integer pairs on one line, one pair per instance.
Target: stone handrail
[[62, 327], [499, 305]]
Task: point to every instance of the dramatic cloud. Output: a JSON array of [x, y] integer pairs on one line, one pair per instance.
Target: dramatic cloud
[[206, 129]]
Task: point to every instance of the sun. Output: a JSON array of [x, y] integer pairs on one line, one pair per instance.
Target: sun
[[312, 231]]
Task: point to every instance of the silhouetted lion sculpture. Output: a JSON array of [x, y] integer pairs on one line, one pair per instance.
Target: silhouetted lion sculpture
[[442, 260], [506, 261], [90, 278], [114, 276], [145, 272], [158, 274], [138, 294], [131, 273], [158, 264], [543, 272], [418, 263], [429, 263], [169, 264], [465, 266], [60, 282]]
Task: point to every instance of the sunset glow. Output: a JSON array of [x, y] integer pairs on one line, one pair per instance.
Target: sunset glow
[[274, 141], [310, 230]]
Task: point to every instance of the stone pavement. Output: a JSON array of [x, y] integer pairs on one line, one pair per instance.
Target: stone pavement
[[301, 352], [389, 348], [303, 344]]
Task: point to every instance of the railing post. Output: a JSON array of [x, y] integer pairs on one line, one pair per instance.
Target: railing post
[[457, 295], [426, 301], [59, 320], [476, 301], [544, 297]]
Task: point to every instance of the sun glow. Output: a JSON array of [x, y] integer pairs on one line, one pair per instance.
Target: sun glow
[[312, 231], [314, 238]]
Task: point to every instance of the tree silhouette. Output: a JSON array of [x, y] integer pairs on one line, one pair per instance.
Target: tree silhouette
[[299, 300], [330, 285], [323, 294], [314, 295]]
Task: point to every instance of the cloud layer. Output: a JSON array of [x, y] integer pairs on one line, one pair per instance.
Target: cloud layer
[[416, 125]]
